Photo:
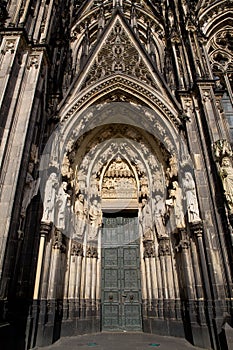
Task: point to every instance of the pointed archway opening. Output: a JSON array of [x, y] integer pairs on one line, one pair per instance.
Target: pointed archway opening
[[121, 279]]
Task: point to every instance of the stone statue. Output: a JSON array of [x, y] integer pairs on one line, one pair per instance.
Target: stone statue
[[50, 198], [95, 219], [191, 198], [175, 201], [160, 211], [145, 219], [81, 214], [62, 212], [30, 189], [226, 173]]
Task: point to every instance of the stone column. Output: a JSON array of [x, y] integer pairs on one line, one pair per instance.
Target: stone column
[[164, 251], [79, 253], [88, 274], [44, 233], [184, 246], [58, 249]]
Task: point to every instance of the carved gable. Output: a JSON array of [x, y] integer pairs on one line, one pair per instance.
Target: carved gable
[[120, 54]]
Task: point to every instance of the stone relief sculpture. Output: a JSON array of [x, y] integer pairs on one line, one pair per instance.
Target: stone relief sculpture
[[191, 198], [226, 173], [81, 215], [61, 201], [30, 189], [175, 201], [95, 219], [172, 170], [145, 219], [50, 198], [159, 215]]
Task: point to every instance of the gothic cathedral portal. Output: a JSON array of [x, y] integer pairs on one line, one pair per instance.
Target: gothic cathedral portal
[[116, 170]]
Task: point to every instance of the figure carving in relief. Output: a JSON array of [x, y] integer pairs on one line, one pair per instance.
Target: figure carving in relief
[[145, 219], [30, 189], [191, 198], [226, 173], [95, 219], [144, 186], [172, 170], [66, 169], [175, 201], [81, 214], [50, 198], [62, 211], [157, 182], [160, 212]]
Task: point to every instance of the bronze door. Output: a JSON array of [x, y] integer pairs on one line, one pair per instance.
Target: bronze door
[[121, 294]]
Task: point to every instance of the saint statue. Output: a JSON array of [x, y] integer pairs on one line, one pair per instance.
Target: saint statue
[[191, 198], [175, 201], [226, 173], [95, 219], [62, 212], [81, 214], [50, 198], [146, 220], [160, 211]]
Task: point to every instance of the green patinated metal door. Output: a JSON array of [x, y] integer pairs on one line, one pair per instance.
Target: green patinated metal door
[[121, 293]]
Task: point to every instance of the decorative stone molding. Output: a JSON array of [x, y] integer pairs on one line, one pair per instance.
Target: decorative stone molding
[[76, 249], [164, 246], [149, 249], [91, 252], [9, 46], [33, 62], [196, 228], [45, 228], [59, 241]]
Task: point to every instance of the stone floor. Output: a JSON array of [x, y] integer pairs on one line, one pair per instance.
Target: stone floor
[[121, 341]]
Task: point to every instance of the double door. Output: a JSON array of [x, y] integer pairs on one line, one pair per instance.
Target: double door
[[121, 293]]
